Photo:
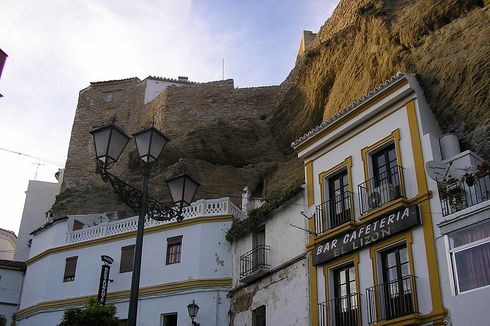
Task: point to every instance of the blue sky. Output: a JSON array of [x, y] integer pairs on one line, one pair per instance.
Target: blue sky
[[56, 48]]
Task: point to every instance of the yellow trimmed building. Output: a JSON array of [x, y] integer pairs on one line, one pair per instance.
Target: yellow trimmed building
[[372, 251]]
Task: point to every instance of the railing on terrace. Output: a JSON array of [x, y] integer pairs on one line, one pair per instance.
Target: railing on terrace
[[470, 190], [254, 262], [341, 311], [334, 212], [200, 208], [381, 189], [392, 299]]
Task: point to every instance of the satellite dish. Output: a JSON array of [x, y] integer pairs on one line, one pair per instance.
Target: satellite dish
[[310, 212], [437, 170]]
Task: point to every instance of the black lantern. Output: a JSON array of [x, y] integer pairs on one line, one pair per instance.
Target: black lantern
[[150, 143], [193, 309], [110, 142], [182, 189]]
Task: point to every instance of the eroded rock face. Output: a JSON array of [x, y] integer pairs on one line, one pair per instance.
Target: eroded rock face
[[445, 43], [230, 138]]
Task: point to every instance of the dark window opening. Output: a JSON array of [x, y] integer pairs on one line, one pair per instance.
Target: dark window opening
[[258, 316], [169, 319], [70, 269], [127, 257]]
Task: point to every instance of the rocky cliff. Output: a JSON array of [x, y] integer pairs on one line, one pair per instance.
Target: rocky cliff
[[229, 138]]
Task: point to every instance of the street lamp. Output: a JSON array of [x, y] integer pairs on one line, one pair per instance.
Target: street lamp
[[193, 309], [110, 142]]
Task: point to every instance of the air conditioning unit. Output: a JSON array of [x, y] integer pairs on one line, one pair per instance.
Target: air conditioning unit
[[381, 195]]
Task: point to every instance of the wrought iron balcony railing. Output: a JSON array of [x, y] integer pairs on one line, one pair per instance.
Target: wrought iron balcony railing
[[334, 212], [392, 299], [341, 311], [254, 263], [381, 189], [456, 195]]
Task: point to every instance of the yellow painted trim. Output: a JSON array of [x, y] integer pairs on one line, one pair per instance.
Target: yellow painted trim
[[352, 257], [151, 290], [349, 116], [385, 209], [131, 234], [366, 151], [426, 216], [313, 291], [310, 196], [346, 164], [379, 246]]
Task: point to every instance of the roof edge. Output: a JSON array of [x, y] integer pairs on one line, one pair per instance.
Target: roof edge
[[351, 107]]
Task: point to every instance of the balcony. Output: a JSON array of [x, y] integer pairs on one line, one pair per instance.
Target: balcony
[[469, 190], [342, 311], [200, 208], [334, 212], [381, 189], [392, 300], [254, 263]]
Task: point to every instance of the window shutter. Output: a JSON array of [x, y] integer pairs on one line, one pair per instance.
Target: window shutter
[[127, 257], [70, 269]]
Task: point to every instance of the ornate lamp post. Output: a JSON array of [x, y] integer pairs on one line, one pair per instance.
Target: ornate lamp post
[[110, 142], [193, 309]]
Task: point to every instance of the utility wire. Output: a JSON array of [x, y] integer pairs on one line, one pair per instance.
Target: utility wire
[[31, 156]]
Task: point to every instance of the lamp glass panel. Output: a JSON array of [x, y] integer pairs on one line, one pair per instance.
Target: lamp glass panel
[[143, 140], [101, 139], [118, 142], [189, 190], [193, 309], [176, 187], [157, 144]]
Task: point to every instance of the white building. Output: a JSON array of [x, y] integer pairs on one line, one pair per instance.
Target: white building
[[11, 274], [182, 261], [464, 242], [270, 269], [373, 250], [40, 196]]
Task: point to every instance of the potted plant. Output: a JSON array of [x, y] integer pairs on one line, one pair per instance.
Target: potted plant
[[469, 179], [453, 192]]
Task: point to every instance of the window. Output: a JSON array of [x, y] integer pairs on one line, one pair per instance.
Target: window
[[77, 225], [169, 319], [470, 256], [70, 269], [127, 257], [107, 97], [258, 316], [396, 289], [346, 302], [338, 208], [174, 248]]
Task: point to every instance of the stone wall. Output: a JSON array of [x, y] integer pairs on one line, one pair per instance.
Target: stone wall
[[218, 134]]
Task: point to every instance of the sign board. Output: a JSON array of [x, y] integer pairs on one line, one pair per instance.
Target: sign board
[[104, 283], [367, 233]]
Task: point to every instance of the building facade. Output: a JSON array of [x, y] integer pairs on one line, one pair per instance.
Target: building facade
[[270, 273], [373, 252], [463, 238], [182, 261], [11, 276]]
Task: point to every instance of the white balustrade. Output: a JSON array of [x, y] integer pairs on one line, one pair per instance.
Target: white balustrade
[[200, 208]]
